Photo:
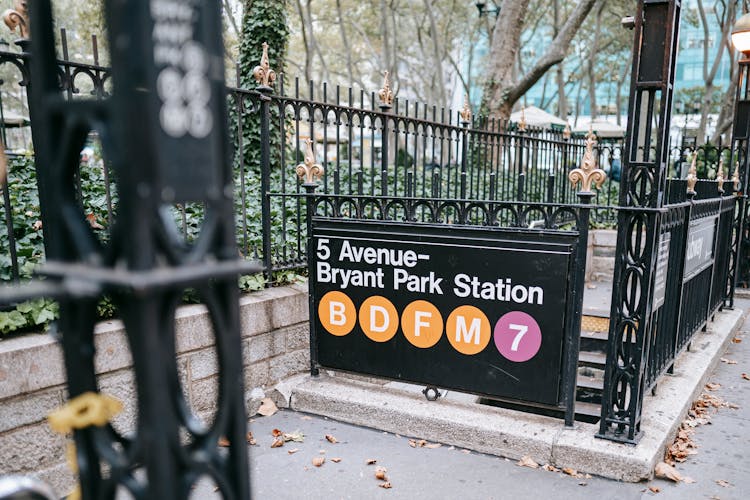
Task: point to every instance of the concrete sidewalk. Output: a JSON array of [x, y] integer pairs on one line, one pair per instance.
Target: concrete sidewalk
[[449, 472]]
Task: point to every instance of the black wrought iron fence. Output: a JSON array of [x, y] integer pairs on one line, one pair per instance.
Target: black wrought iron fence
[[400, 149]]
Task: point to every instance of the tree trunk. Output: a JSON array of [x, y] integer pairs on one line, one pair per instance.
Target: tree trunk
[[502, 90]]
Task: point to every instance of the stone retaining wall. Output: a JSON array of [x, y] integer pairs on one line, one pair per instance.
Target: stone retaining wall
[[600, 257], [275, 346]]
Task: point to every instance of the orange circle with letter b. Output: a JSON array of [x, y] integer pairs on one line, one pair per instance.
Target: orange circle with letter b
[[422, 324], [468, 330], [378, 318], [337, 313]]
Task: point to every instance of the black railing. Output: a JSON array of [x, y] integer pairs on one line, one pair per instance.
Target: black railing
[[406, 150]]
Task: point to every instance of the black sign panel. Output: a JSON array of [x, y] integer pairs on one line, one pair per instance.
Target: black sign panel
[[700, 246], [188, 100], [660, 277], [481, 311]]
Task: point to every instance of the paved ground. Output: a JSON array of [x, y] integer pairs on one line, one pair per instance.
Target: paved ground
[[446, 472]]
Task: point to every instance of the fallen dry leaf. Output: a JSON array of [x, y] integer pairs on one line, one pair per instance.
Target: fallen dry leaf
[[432, 446], [745, 376], [380, 474], [412, 443], [223, 442], [331, 439], [654, 489], [276, 433], [318, 461], [336, 460], [712, 387], [293, 451], [465, 452], [723, 483], [528, 462], [386, 485], [267, 407], [728, 361], [666, 471], [295, 436], [277, 443], [572, 472], [688, 480], [370, 461], [550, 468], [736, 340], [250, 439]]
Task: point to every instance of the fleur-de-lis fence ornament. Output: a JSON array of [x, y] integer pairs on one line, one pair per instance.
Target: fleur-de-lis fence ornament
[[310, 171], [567, 132], [588, 173], [736, 177], [692, 177], [386, 93], [18, 17], [263, 73], [466, 112], [720, 176]]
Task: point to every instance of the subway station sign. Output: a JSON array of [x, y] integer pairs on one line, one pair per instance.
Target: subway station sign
[[477, 310]]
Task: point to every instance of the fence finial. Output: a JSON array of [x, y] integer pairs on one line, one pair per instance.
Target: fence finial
[[567, 132], [263, 73], [466, 112], [522, 122], [18, 17], [386, 93], [720, 176], [736, 177], [309, 171], [692, 177], [588, 173]]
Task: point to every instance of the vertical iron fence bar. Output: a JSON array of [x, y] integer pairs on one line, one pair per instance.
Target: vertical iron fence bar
[[310, 205], [573, 336], [740, 145], [520, 187], [8, 209], [264, 98], [654, 52], [464, 160], [384, 109]]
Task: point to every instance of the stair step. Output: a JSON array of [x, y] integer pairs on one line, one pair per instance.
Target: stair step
[[602, 336], [592, 359], [594, 322], [590, 383], [590, 410]]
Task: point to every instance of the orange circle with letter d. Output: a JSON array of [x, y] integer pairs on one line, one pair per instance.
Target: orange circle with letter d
[[378, 318], [422, 324], [468, 330], [337, 313]]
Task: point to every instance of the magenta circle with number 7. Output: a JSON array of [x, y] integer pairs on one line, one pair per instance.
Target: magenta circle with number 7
[[517, 336]]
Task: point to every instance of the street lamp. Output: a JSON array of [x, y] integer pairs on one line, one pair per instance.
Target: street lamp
[[482, 8], [741, 129], [741, 35]]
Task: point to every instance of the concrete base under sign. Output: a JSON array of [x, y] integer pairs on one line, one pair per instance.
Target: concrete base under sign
[[458, 420]]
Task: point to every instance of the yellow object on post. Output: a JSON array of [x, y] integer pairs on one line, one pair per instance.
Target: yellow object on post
[[88, 409]]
